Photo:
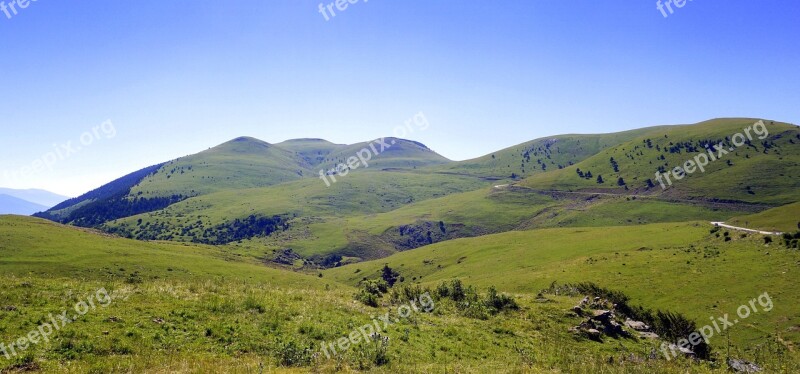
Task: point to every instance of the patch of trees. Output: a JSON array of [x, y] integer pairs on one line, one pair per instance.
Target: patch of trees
[[372, 290], [120, 206], [586, 175], [240, 229], [389, 275], [416, 236], [121, 185], [791, 241], [110, 202], [614, 165]]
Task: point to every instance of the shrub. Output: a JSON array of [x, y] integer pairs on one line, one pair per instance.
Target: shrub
[[367, 298], [499, 302], [389, 275], [371, 291], [457, 290], [408, 293], [442, 291], [293, 354], [373, 352]]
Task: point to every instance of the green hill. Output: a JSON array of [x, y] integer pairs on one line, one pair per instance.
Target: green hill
[[313, 151], [541, 155], [760, 171], [242, 163]]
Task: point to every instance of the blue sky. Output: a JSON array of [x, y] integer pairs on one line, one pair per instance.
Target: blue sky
[[177, 77]]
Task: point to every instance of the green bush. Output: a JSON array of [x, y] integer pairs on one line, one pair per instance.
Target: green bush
[[367, 298], [499, 302], [408, 293], [293, 354], [371, 291]]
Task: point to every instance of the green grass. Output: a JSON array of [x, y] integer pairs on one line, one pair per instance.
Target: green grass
[[785, 218], [230, 315], [35, 247], [673, 266]]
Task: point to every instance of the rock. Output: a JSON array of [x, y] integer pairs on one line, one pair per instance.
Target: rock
[[286, 257], [593, 334], [613, 328], [587, 324], [648, 335], [637, 325], [602, 315], [742, 366], [675, 349], [158, 321]]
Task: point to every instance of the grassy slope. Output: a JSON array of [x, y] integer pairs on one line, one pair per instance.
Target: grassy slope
[[773, 178], [492, 210], [240, 163], [363, 192], [674, 266], [785, 218], [313, 151], [399, 154], [553, 151], [214, 315], [32, 246]]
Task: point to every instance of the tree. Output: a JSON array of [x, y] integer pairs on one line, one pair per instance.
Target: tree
[[620, 182], [389, 275], [600, 179]]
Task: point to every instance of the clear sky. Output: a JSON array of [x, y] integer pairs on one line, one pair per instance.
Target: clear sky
[[177, 77]]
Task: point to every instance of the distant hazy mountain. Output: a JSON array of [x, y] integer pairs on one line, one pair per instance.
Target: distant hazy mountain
[[40, 197], [13, 205]]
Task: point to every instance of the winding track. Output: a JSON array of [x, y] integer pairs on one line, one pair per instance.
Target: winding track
[[722, 224]]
